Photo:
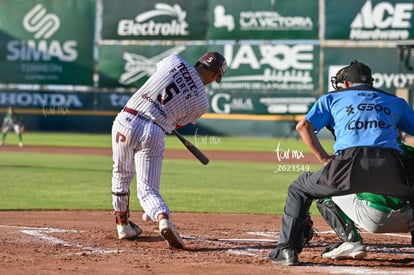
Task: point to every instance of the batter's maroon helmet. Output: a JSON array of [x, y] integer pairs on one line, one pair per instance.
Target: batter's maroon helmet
[[215, 62]]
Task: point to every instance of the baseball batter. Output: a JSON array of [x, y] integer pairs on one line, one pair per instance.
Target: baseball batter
[[12, 122], [172, 97]]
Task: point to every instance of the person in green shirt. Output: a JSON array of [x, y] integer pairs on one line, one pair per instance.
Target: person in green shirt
[[374, 213], [12, 122]]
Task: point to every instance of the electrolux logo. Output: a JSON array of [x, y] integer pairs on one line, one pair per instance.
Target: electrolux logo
[[384, 21], [43, 25], [145, 25]]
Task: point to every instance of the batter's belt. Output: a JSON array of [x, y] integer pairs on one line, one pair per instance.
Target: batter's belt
[[141, 116]]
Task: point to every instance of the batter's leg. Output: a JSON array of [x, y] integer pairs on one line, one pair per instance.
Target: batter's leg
[[148, 163], [123, 168], [122, 174]]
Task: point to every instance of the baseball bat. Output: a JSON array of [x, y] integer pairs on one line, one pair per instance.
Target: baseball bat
[[193, 149]]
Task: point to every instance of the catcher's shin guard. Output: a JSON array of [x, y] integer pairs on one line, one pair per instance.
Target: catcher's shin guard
[[340, 223]]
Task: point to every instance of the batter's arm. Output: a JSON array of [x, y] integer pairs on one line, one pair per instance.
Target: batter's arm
[[307, 132]]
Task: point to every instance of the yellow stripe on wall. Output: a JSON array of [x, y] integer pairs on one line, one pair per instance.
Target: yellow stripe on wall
[[68, 112]]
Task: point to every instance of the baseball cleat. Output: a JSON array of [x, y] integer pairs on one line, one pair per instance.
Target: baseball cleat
[[170, 234], [284, 255], [128, 231], [345, 250]]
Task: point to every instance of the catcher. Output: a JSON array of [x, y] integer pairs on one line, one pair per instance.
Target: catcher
[[367, 158], [373, 212], [12, 121]]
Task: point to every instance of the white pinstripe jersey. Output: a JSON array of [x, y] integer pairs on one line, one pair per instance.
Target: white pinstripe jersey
[[174, 94]]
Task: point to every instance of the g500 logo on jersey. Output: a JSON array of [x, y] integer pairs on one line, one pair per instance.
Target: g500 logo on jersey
[[145, 26], [384, 21], [43, 26]]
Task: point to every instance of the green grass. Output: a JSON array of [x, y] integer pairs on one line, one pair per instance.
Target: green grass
[[50, 181], [203, 142]]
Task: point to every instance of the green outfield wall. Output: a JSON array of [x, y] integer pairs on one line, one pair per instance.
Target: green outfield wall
[[71, 65]]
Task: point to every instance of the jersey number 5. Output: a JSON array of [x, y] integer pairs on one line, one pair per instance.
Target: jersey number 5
[[169, 93]]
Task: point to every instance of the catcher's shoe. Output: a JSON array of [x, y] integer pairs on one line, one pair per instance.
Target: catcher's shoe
[[283, 254], [345, 250], [170, 234], [128, 231]]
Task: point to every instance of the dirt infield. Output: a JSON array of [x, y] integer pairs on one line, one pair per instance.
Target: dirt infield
[[84, 242]]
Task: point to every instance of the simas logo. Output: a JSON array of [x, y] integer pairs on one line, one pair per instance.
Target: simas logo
[[384, 21], [138, 66], [144, 25], [43, 26]]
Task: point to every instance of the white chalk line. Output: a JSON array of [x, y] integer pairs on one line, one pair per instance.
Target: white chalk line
[[229, 243], [42, 234], [337, 269]]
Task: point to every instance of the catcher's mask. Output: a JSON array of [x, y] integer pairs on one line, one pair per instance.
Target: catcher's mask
[[356, 72], [338, 78]]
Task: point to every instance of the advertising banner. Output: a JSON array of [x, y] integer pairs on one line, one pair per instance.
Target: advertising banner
[[154, 20], [386, 20], [261, 79], [281, 68], [47, 42], [51, 102], [266, 19], [131, 66], [258, 103], [388, 70]]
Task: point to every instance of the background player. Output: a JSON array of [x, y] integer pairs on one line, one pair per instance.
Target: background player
[[172, 97], [12, 121]]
